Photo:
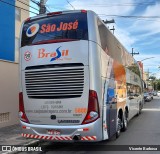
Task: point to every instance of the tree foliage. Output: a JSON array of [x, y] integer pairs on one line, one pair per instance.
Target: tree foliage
[[154, 82]]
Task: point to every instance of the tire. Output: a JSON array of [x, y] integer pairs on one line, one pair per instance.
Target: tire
[[139, 111], [119, 124], [125, 122], [140, 108]]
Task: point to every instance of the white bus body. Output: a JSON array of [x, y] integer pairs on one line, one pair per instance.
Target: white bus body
[[78, 83]]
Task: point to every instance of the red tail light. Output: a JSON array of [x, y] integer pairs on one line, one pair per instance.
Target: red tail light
[[22, 114], [93, 108], [27, 19], [53, 13], [83, 11]]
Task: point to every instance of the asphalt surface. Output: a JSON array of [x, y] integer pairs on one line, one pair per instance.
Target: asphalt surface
[[11, 136], [142, 130]]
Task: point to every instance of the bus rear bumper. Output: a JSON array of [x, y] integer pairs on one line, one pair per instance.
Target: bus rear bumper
[[80, 133]]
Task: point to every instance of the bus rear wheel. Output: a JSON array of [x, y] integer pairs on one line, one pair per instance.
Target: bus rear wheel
[[119, 124], [140, 109], [125, 121]]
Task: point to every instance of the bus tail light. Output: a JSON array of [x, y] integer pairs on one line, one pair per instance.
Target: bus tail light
[[54, 13], [93, 108], [83, 11], [22, 114], [28, 19]]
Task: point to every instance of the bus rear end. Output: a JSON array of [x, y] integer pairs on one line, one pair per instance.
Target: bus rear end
[[55, 100]]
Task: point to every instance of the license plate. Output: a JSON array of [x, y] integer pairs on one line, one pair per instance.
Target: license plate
[[53, 132]]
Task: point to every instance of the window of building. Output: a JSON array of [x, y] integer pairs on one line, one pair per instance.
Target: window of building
[[18, 14]]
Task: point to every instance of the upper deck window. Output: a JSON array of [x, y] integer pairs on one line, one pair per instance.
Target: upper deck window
[[58, 28]]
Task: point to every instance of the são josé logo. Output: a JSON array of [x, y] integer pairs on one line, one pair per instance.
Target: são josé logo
[[32, 30]]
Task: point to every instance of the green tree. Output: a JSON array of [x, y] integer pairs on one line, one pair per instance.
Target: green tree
[[154, 82], [158, 84]]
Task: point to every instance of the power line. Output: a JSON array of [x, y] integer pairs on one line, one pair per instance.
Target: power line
[[143, 17], [108, 5], [27, 5], [48, 9], [149, 65], [17, 7], [116, 4], [146, 18], [61, 8], [70, 4], [35, 2], [41, 5]]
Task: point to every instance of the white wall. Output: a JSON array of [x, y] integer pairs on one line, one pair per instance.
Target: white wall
[[9, 78], [9, 90]]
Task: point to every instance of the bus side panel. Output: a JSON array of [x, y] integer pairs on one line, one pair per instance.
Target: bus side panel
[[95, 76], [105, 74], [120, 77], [134, 93], [95, 62]]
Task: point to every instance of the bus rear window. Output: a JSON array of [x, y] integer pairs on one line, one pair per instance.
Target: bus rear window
[[59, 28]]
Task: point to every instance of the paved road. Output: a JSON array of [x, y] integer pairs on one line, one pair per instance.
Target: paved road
[[142, 130]]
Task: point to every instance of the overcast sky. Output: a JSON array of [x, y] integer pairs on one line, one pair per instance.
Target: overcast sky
[[137, 24]]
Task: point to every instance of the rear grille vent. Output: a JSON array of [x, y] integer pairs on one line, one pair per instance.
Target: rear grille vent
[[51, 83]]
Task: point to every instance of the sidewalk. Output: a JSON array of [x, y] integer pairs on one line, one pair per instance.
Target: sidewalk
[[11, 135]]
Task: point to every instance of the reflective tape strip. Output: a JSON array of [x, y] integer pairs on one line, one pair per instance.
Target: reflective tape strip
[[68, 138], [60, 138], [50, 137], [47, 137], [43, 137], [39, 137], [36, 136], [64, 138], [55, 138], [88, 138], [94, 137], [28, 135], [84, 138]]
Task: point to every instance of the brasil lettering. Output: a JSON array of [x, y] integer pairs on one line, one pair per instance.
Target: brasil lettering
[[55, 55], [46, 28]]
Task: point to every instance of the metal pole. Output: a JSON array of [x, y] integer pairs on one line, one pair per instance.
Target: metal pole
[[113, 29], [134, 53], [41, 5], [42, 9]]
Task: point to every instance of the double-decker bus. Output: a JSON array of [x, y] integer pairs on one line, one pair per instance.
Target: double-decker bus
[[77, 81]]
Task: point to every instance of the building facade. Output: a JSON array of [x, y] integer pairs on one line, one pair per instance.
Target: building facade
[[12, 18]]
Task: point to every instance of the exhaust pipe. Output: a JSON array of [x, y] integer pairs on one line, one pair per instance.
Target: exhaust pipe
[[77, 137]]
